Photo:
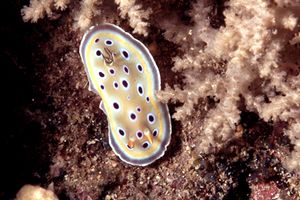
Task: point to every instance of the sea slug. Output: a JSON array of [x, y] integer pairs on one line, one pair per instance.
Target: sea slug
[[123, 72]]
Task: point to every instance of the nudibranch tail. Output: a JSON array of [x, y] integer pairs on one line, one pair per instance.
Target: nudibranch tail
[[123, 72]]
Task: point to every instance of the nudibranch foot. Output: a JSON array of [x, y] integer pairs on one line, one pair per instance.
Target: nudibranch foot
[[123, 72]]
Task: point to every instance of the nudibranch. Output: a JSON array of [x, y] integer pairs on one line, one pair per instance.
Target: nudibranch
[[123, 72]]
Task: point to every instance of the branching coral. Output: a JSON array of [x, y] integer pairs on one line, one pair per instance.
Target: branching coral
[[135, 14], [240, 60], [295, 39], [89, 11], [39, 9], [292, 161]]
